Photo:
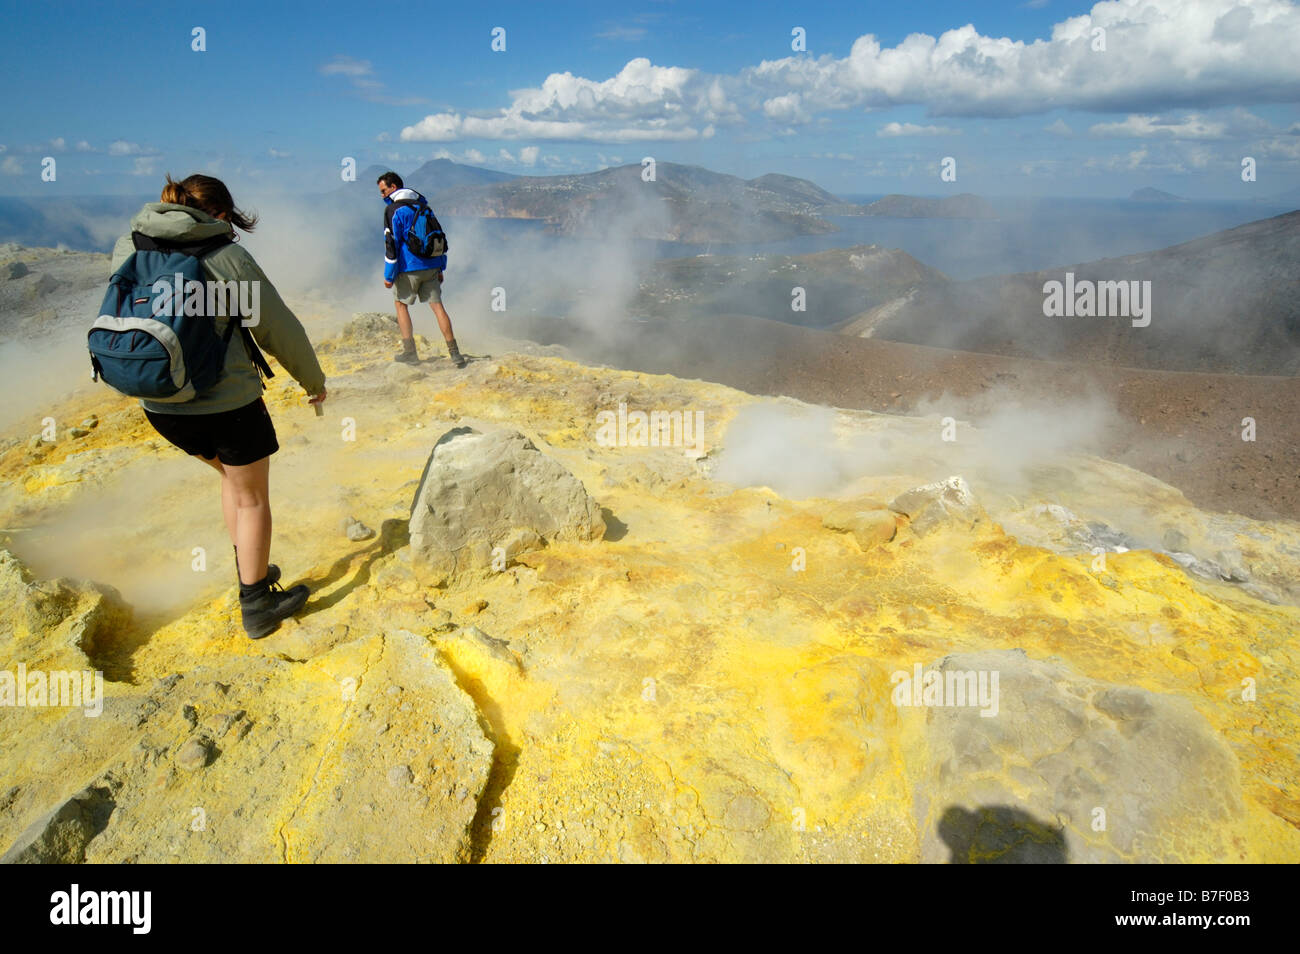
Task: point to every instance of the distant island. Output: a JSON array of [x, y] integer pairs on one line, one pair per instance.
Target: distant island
[[682, 203], [1155, 195]]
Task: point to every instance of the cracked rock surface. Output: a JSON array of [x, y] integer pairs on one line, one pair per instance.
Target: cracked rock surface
[[707, 673]]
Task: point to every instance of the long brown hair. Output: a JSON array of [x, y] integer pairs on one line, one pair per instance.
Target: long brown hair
[[208, 195]]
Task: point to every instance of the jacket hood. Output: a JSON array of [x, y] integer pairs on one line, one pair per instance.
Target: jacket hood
[[165, 220], [400, 195]]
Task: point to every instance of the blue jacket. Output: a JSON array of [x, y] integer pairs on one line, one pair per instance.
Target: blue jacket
[[397, 218]]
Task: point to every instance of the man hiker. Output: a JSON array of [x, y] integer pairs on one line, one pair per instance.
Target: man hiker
[[409, 225]]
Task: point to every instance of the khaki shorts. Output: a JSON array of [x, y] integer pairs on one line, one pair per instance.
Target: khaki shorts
[[424, 285]]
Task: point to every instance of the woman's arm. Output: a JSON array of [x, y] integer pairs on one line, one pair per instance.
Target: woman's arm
[[278, 330]]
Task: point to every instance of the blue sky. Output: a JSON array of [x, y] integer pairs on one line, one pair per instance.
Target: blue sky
[[1019, 94]]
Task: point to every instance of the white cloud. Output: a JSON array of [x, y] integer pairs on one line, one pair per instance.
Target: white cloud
[[1040, 167], [1279, 148], [1242, 122], [84, 146], [277, 154], [11, 166], [622, 33], [143, 167], [1059, 128], [1159, 53], [635, 27], [556, 163], [911, 129], [785, 109], [121, 147], [361, 75], [473, 155], [1146, 127], [347, 66], [527, 156], [642, 102], [1132, 161]]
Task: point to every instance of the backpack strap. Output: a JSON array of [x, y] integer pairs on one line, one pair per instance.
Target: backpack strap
[[147, 243], [255, 354]]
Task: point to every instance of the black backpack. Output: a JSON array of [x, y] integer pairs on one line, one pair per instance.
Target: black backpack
[[425, 237]]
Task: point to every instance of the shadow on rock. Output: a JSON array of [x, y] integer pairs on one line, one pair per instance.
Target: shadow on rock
[[615, 529], [61, 835], [393, 535], [998, 834], [505, 760]]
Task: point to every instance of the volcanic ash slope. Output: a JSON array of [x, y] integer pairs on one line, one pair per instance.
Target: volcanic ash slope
[[698, 672]]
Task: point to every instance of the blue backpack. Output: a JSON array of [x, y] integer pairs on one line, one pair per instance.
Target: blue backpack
[[144, 344]]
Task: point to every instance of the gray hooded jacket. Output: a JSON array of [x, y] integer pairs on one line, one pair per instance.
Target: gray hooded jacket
[[278, 331]]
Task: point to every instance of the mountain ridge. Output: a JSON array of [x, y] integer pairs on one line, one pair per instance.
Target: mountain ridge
[[1224, 302]]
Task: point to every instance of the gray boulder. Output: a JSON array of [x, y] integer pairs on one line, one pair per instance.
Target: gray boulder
[[931, 505], [370, 326], [480, 491], [356, 531], [61, 836]]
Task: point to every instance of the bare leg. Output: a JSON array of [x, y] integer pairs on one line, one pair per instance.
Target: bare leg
[[251, 494], [404, 320], [444, 320], [229, 510]]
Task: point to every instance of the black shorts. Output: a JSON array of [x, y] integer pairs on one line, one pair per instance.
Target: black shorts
[[237, 437]]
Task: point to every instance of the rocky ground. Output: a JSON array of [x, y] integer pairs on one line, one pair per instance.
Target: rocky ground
[[1185, 428], [709, 671], [34, 280], [837, 284]]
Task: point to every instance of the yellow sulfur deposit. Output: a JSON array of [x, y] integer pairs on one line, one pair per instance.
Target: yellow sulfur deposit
[[714, 680]]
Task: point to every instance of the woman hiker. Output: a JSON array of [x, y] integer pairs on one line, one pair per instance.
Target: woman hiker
[[228, 426]]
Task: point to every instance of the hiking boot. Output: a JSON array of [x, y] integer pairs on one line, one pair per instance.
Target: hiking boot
[[408, 354], [264, 604], [453, 352]]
